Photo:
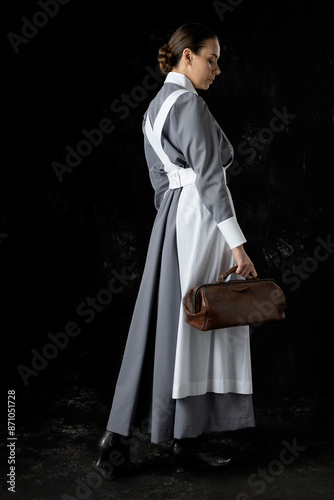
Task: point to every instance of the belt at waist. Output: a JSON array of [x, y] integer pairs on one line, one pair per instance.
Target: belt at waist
[[181, 177]]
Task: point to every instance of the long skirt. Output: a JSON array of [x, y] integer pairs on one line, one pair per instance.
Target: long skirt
[[143, 394]]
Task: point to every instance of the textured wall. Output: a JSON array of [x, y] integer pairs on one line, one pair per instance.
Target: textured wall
[[77, 206]]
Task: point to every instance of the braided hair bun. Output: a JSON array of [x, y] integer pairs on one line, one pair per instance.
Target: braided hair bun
[[164, 58]]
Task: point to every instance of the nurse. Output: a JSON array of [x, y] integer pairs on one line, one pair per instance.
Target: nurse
[[175, 382]]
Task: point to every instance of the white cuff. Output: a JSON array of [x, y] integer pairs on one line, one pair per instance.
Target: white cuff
[[232, 233]]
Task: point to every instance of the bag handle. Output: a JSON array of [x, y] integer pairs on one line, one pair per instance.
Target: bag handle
[[223, 277]]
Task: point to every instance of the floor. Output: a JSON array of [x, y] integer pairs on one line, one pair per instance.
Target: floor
[[288, 455]]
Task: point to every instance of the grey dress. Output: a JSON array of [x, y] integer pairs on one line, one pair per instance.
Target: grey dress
[[174, 380]]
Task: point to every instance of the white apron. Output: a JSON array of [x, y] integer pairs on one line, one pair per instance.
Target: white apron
[[219, 360]]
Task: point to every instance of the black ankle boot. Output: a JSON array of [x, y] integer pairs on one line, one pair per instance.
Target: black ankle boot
[[195, 453], [114, 456]]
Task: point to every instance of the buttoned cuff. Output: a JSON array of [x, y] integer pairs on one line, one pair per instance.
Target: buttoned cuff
[[232, 233]]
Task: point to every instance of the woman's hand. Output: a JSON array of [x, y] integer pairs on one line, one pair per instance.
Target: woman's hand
[[245, 265]]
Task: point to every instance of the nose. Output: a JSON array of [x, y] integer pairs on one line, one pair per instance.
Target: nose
[[217, 70]]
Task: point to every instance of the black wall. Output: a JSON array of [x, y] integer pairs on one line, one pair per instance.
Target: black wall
[[64, 233]]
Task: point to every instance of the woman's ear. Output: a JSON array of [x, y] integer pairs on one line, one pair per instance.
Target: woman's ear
[[187, 56]]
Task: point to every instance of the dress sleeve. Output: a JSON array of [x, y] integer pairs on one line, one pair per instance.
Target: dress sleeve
[[198, 141]]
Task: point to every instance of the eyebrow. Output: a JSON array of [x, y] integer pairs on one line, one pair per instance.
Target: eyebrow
[[215, 55]]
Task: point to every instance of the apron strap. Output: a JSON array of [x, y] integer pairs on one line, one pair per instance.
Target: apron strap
[[154, 133]]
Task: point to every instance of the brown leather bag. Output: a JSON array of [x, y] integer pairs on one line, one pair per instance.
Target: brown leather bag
[[224, 304]]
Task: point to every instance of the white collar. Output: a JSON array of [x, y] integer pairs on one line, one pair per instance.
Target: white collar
[[180, 79]]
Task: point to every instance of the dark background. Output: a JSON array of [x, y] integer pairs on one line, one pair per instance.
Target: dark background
[[60, 241]]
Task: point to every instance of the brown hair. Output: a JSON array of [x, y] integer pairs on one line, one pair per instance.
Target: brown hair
[[189, 36]]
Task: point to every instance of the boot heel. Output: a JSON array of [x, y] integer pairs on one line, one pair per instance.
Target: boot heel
[[180, 456], [180, 466]]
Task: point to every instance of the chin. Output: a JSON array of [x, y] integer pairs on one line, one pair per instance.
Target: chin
[[204, 86]]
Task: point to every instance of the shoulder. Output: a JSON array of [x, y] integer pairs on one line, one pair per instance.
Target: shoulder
[[156, 103], [191, 107], [190, 99]]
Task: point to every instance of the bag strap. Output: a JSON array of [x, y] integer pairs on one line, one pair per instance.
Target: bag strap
[[223, 277]]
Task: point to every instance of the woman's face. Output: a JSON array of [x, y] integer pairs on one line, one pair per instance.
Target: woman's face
[[203, 68]]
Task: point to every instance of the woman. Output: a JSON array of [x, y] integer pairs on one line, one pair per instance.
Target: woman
[[177, 382]]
